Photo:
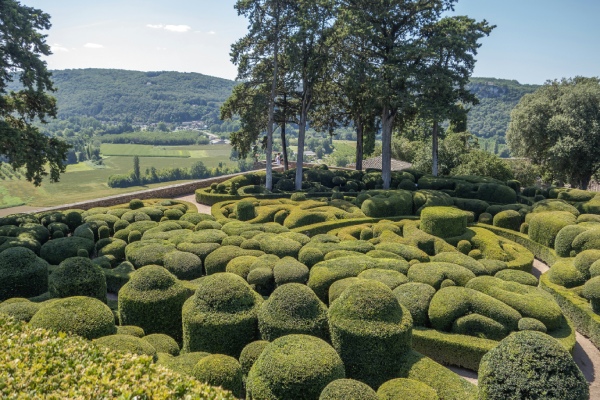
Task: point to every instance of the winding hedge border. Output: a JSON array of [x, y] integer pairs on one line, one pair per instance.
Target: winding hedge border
[[211, 199], [573, 306]]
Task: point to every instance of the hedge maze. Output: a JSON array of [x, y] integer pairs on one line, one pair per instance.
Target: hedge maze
[[340, 291]]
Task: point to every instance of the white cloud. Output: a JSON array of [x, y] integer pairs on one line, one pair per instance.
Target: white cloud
[[161, 48], [93, 46], [57, 48], [178, 28], [170, 28], [212, 33]]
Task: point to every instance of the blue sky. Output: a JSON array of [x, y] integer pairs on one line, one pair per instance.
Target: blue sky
[[535, 40]]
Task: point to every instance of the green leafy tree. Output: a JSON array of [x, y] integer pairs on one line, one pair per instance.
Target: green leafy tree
[[451, 45], [558, 127], [136, 169], [392, 33], [483, 163], [21, 46]]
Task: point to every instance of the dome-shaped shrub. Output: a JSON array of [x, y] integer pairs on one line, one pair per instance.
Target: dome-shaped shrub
[[508, 219], [183, 265], [292, 308], [513, 275], [443, 222], [163, 343], [79, 315], [416, 297], [148, 252], [221, 316], [22, 273], [130, 330], [370, 330], [78, 276], [152, 300], [250, 354], [294, 367], [388, 277], [241, 265], [290, 270], [111, 247], [505, 371], [127, 344], [217, 260], [22, 310], [545, 226], [342, 389], [401, 388], [57, 250], [221, 370]]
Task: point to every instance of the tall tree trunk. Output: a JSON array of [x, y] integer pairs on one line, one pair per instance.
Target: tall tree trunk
[[387, 124], [269, 177], [300, 153], [284, 144], [434, 148], [359, 145]]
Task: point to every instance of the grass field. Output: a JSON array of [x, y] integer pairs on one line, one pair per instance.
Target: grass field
[[83, 182]]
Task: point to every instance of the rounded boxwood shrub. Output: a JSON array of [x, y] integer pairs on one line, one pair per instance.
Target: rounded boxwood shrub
[[152, 300], [280, 246], [79, 315], [218, 259], [57, 250], [78, 276], [292, 308], [241, 265], [587, 241], [184, 363], [134, 236], [262, 280], [443, 222], [163, 343], [460, 259], [564, 273], [513, 275], [250, 354], [148, 252], [245, 210], [388, 277], [402, 388], [505, 372], [532, 324], [371, 331], [221, 316], [127, 344], [563, 244], [416, 297], [591, 291], [220, 370], [508, 219], [22, 273], [486, 218], [173, 214], [545, 226], [314, 364], [342, 389], [183, 265], [434, 273], [290, 270], [131, 330], [388, 204], [111, 247], [338, 287], [22, 310], [584, 260]]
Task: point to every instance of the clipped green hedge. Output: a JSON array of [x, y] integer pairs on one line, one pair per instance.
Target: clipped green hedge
[[545, 226], [22, 273], [152, 300], [371, 331], [221, 370], [293, 309], [221, 316], [314, 364], [402, 388], [78, 276], [348, 389], [76, 368]]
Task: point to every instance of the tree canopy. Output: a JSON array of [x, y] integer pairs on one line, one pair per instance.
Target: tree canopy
[[21, 46], [558, 127]]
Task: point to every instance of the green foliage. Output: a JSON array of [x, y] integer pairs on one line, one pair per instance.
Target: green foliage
[[20, 309], [402, 388], [521, 277], [502, 375], [57, 250], [508, 219], [347, 389], [130, 330], [74, 367], [148, 252], [250, 354], [565, 149], [545, 226], [78, 276], [483, 163], [183, 265], [434, 273], [217, 260], [443, 222], [220, 370], [565, 237], [289, 270], [388, 204], [416, 297], [127, 344], [22, 273], [221, 316], [152, 300], [370, 330], [314, 362], [79, 315], [292, 309]]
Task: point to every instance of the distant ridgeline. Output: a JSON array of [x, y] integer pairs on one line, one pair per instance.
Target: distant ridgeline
[[497, 97], [118, 96], [112, 95]]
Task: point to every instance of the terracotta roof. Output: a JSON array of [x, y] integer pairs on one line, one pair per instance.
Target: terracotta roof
[[375, 163]]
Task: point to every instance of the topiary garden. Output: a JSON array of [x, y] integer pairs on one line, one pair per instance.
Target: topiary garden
[[340, 290]]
